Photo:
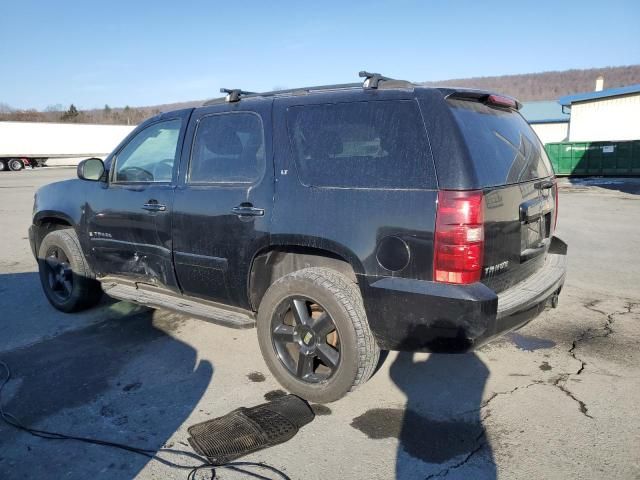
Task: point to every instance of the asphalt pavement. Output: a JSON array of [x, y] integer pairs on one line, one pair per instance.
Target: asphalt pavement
[[556, 400]]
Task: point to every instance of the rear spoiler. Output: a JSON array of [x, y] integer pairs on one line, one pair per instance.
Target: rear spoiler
[[492, 99]]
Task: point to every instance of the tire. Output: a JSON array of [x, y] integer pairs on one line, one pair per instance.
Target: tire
[[283, 336], [67, 280], [3, 165], [15, 164]]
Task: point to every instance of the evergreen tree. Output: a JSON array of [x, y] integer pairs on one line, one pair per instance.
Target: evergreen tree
[[70, 114]]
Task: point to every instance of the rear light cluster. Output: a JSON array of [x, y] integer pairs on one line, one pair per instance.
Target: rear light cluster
[[459, 237]]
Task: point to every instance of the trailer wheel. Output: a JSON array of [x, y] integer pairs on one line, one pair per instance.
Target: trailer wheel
[[3, 165], [15, 164]]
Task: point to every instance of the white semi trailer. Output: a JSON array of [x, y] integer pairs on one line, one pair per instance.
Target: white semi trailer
[[33, 143]]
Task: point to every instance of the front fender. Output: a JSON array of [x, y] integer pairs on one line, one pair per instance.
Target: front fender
[[63, 201], [59, 204]]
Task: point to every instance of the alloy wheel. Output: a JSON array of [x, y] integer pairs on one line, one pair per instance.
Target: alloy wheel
[[59, 273], [305, 339]]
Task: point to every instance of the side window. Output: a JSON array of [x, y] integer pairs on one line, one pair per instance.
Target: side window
[[150, 155], [378, 144], [227, 148]]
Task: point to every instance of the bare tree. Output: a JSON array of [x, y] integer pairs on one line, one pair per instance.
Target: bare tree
[[54, 108]]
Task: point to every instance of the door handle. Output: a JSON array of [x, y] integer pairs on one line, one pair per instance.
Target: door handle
[[244, 210], [154, 206]]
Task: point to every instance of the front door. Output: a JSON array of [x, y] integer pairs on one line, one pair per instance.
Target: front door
[[223, 202], [129, 219]]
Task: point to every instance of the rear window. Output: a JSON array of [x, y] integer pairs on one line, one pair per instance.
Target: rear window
[[502, 145], [381, 144]]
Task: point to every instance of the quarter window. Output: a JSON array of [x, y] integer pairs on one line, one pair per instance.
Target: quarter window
[[379, 144], [150, 155], [228, 148]]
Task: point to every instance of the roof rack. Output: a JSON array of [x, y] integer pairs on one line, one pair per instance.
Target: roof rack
[[371, 81], [233, 95]]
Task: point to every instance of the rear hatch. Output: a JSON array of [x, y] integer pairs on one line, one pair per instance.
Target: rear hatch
[[520, 193]]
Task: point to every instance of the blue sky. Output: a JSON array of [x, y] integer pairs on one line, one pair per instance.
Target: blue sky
[[143, 53]]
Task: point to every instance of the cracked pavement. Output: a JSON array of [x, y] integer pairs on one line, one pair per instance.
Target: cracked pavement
[[556, 399]]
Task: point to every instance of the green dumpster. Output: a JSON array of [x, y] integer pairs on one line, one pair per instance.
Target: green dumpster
[[595, 158]]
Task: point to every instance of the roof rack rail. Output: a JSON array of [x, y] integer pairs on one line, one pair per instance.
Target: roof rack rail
[[233, 95], [372, 80]]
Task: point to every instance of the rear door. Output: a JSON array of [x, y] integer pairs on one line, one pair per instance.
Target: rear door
[[223, 204], [511, 166]]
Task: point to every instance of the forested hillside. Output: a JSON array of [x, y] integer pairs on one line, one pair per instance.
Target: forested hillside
[[525, 87], [549, 85]]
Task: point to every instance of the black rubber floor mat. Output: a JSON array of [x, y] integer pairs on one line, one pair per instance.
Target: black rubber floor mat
[[247, 430]]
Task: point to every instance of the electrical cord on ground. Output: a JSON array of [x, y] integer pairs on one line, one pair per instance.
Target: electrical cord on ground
[[240, 467]]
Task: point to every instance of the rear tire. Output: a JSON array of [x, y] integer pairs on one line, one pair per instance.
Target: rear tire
[[339, 360], [3, 165], [15, 164], [67, 280]]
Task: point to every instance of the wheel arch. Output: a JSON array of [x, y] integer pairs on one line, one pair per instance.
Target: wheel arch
[[276, 261], [47, 222]]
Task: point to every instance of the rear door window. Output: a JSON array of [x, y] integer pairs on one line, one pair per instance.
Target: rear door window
[[502, 145], [227, 148], [378, 144]]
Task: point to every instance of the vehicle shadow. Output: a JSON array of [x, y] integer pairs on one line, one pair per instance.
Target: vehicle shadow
[[123, 378], [441, 422]]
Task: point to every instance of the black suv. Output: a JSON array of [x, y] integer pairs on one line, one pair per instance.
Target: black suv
[[340, 220]]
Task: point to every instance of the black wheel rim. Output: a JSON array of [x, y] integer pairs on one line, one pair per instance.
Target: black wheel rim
[[305, 339], [58, 274]]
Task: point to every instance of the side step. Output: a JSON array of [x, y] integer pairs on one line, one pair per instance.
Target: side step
[[153, 297]]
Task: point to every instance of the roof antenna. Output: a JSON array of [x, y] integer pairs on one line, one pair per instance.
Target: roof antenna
[[233, 95], [371, 80]]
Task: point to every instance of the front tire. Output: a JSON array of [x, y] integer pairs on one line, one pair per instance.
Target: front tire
[[3, 165], [314, 335], [67, 280]]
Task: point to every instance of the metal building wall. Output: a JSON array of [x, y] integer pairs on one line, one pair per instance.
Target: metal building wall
[[551, 132], [607, 119]]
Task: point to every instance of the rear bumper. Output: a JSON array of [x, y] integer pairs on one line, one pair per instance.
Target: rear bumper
[[417, 315]]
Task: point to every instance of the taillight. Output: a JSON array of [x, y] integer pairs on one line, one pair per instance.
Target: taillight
[[459, 237], [555, 212]]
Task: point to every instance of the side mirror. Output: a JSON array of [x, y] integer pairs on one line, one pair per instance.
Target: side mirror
[[91, 169]]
